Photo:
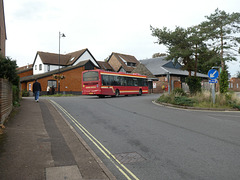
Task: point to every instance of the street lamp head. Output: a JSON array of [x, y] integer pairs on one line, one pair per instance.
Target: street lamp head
[[63, 35]]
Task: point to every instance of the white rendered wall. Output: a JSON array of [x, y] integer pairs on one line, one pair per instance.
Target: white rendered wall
[[52, 67], [36, 70], [84, 57]]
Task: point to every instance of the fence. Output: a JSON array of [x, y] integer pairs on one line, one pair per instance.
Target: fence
[[205, 86], [5, 99]]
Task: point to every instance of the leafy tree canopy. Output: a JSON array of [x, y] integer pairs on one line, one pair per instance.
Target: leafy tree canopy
[[238, 74], [8, 70], [220, 28], [200, 47]]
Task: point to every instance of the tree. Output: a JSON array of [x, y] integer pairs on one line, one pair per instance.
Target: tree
[[177, 42], [8, 70], [155, 55], [238, 74], [220, 28], [223, 81]]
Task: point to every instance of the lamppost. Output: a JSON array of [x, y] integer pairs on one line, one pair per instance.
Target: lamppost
[[60, 35]]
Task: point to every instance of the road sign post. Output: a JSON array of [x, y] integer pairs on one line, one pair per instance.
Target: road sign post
[[213, 75]]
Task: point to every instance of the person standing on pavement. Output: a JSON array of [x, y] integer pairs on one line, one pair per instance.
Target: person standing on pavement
[[48, 90], [36, 89]]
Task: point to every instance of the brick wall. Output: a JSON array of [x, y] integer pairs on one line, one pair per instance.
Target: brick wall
[[2, 30], [72, 82], [5, 99], [234, 84], [162, 84], [25, 73]]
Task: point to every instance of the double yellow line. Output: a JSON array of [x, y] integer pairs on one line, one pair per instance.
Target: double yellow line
[[125, 171]]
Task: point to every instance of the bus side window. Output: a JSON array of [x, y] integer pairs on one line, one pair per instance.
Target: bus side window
[[145, 83], [121, 80], [124, 81], [111, 81], [115, 81], [135, 82], [104, 80], [140, 82], [129, 81]]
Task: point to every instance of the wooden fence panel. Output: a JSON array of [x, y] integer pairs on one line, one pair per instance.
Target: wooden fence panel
[[5, 99]]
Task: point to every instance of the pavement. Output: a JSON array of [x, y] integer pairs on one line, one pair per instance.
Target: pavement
[[39, 144]]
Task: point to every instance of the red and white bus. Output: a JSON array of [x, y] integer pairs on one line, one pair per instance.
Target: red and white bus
[[106, 83]]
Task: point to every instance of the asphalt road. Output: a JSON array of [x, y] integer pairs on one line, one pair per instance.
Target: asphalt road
[[137, 139]]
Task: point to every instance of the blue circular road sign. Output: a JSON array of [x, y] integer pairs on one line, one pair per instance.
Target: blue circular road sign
[[213, 74]]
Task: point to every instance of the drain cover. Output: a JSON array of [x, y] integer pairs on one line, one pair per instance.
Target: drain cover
[[131, 157]]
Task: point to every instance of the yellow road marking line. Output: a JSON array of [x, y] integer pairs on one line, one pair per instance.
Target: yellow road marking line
[[97, 143]]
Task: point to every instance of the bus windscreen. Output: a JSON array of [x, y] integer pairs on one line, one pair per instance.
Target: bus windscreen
[[90, 76]]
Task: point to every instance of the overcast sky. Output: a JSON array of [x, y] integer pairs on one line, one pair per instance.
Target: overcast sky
[[102, 26]]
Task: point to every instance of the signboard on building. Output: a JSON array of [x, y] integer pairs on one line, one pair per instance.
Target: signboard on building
[[154, 85]]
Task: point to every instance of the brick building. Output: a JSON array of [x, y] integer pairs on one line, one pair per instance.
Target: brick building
[[234, 84], [159, 71], [71, 84], [3, 34], [122, 62], [50, 68]]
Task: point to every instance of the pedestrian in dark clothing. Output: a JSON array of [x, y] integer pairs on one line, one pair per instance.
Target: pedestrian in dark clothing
[[53, 90], [36, 89]]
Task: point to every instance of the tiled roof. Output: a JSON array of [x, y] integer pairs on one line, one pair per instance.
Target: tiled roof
[[123, 59], [52, 58], [74, 56], [68, 68], [141, 69], [104, 65], [65, 60], [23, 68]]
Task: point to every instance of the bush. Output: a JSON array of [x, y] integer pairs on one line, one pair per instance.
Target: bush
[[166, 98], [202, 99], [184, 101], [25, 93], [194, 84], [15, 90], [223, 82], [179, 92]]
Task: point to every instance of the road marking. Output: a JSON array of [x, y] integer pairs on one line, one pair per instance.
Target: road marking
[[123, 169]]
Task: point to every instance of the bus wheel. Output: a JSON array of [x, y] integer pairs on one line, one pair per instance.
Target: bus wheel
[[117, 93], [140, 92]]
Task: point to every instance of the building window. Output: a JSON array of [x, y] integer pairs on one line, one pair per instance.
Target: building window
[[35, 67], [131, 64], [237, 85], [40, 67], [52, 83]]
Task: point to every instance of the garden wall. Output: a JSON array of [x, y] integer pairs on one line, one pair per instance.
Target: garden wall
[[5, 99]]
